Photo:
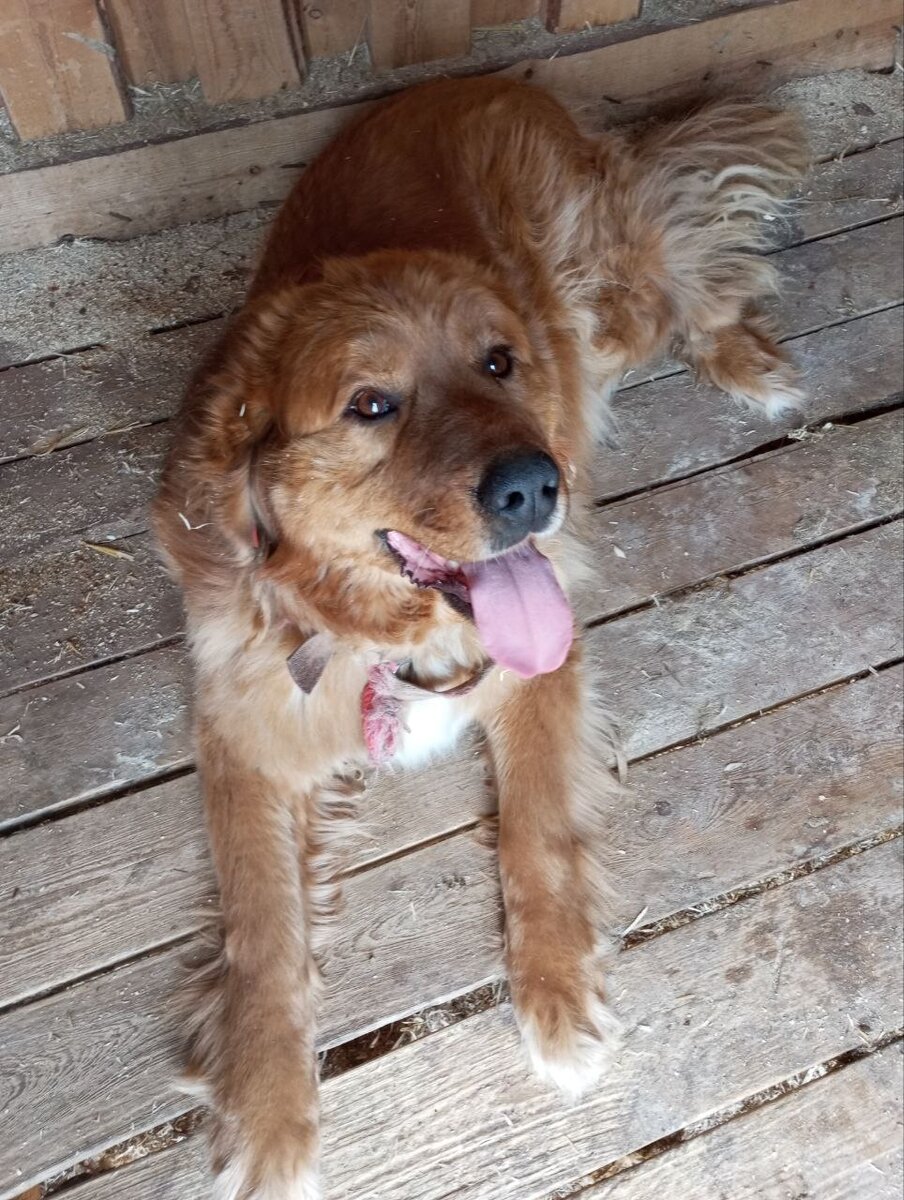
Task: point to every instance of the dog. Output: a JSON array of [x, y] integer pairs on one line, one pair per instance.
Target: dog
[[373, 506]]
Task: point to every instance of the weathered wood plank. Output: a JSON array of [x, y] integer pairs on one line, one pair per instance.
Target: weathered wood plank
[[153, 41], [838, 1137], [208, 175], [56, 72], [99, 490], [487, 13], [697, 662], [333, 26], [845, 193], [748, 512], [243, 50], [72, 399], [749, 49], [81, 737], [562, 16], [115, 881], [716, 1010], [77, 605], [112, 293], [400, 34]]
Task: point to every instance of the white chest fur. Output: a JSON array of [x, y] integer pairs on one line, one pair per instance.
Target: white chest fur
[[431, 728]]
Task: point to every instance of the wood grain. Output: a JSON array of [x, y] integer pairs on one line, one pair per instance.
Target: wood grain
[[201, 177], [56, 69], [750, 49], [845, 193], [401, 32], [82, 737], [563, 16], [153, 40], [709, 658], [333, 26], [243, 48], [838, 1137], [487, 13], [75, 398], [746, 513], [716, 1010]]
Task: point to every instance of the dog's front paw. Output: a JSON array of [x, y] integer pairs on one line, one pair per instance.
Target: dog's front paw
[[284, 1170], [569, 1033]]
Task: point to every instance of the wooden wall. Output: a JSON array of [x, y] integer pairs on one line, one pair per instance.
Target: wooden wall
[[67, 64]]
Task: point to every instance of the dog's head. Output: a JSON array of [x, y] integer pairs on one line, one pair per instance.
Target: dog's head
[[400, 415]]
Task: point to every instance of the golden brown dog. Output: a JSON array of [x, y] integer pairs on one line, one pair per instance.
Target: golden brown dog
[[375, 498]]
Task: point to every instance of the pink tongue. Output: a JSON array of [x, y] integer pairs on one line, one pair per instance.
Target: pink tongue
[[520, 611]]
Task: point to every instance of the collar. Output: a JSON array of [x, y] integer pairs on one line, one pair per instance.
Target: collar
[[389, 686]]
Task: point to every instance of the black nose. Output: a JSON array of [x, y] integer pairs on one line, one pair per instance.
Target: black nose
[[518, 494]]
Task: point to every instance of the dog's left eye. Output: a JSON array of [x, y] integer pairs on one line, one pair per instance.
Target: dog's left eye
[[371, 405], [499, 362]]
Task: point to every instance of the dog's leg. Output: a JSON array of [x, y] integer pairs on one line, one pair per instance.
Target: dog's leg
[[551, 780], [253, 1024], [690, 199]]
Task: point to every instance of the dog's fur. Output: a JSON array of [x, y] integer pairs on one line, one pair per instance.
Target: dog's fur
[[452, 218]]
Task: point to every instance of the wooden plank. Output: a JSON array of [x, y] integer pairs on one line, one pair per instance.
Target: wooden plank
[[119, 880], [232, 170], [99, 490], [563, 16], [72, 399], [116, 881], [747, 513], [78, 739], [750, 48], [845, 193], [76, 605], [153, 41], [333, 26], [400, 33], [838, 1137], [242, 48], [56, 71], [485, 14], [694, 663], [114, 294], [717, 1010]]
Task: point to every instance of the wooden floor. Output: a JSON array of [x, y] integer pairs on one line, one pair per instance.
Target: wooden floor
[[749, 634]]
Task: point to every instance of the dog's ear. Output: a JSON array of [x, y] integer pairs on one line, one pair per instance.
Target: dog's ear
[[234, 405], [231, 418]]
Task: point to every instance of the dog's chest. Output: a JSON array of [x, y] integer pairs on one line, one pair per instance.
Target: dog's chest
[[430, 728]]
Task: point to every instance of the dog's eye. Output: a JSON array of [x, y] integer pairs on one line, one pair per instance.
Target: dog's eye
[[371, 405], [499, 362]]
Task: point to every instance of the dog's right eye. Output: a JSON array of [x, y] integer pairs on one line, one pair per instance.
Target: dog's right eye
[[372, 405]]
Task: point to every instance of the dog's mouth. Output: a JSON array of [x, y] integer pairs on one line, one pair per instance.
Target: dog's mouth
[[521, 613]]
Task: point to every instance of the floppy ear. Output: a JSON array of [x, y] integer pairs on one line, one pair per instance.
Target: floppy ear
[[233, 404], [229, 418]]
